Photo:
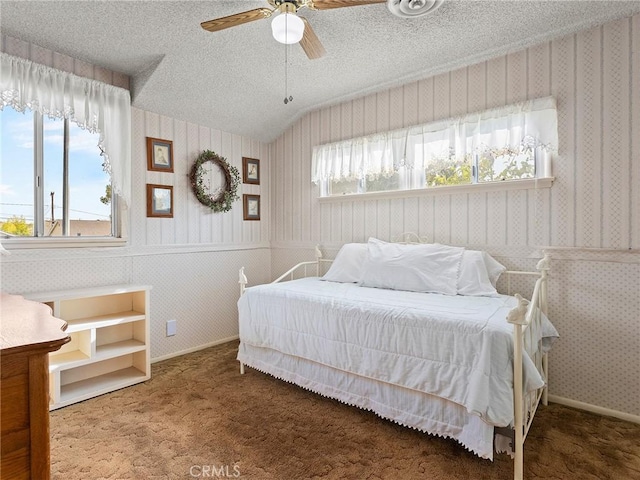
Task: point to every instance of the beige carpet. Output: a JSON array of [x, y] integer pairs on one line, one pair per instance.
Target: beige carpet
[[199, 418]]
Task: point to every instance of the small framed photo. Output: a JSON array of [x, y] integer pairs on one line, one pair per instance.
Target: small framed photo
[[159, 155], [251, 207], [251, 170], [159, 201]]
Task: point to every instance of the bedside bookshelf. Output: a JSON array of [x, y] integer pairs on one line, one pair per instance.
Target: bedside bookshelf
[[109, 347]]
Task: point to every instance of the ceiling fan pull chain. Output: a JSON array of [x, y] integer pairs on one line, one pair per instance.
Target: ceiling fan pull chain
[[287, 98]]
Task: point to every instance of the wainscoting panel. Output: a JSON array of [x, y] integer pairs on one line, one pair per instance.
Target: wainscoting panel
[[200, 290], [22, 273]]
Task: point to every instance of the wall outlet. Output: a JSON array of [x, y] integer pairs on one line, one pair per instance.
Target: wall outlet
[[172, 325]]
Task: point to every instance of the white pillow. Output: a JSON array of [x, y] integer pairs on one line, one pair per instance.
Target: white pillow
[[416, 268], [347, 266], [474, 277], [494, 268]]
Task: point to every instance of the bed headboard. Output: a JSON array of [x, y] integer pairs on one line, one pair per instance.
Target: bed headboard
[[409, 237]]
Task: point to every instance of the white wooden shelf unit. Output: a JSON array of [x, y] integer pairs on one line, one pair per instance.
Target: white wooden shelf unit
[[109, 347]]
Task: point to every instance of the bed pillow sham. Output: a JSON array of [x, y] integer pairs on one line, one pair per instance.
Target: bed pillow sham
[[347, 266], [473, 278], [428, 268], [494, 268]]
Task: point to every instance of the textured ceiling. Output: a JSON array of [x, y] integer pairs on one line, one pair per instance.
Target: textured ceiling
[[234, 80]]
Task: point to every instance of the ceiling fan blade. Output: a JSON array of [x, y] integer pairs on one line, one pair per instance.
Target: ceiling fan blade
[[237, 19], [310, 42], [327, 4]]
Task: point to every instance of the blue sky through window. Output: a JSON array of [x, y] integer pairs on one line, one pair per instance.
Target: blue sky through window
[[87, 180]]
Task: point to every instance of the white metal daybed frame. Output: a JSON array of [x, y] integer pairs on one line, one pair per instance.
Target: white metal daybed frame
[[527, 313]]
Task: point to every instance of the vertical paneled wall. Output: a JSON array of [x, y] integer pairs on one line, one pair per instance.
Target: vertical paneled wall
[[194, 223], [190, 260], [594, 202], [589, 220]]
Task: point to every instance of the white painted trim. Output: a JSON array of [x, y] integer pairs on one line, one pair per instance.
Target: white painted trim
[[196, 248], [528, 184], [15, 243], [594, 254], [194, 349], [29, 255], [629, 417]]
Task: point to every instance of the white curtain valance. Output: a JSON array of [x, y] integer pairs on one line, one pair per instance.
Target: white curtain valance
[[93, 105], [527, 124]]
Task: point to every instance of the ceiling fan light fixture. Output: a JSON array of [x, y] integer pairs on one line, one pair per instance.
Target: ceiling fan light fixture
[[287, 28]]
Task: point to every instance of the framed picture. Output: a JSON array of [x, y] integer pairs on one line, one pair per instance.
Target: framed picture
[[159, 155], [159, 201], [251, 207], [251, 170]]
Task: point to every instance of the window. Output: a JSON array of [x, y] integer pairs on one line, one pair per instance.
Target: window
[[56, 201], [66, 151], [505, 144]]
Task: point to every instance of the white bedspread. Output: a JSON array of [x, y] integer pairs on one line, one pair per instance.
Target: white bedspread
[[456, 347]]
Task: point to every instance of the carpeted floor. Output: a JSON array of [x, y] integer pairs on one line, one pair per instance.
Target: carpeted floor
[[199, 418]]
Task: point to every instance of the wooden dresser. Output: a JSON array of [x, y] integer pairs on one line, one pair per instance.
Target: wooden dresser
[[28, 332]]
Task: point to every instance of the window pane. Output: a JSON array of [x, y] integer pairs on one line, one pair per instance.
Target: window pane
[[380, 183], [448, 171], [53, 145], [505, 164], [343, 187], [89, 185], [16, 172]]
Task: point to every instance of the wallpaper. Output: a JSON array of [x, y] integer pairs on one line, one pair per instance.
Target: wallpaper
[[589, 220], [191, 261]]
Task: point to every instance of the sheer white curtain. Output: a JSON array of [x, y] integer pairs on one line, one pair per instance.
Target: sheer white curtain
[[532, 123], [94, 105]]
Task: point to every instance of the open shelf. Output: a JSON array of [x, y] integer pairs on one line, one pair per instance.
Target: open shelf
[[119, 348], [94, 386], [104, 320], [68, 360], [109, 346]]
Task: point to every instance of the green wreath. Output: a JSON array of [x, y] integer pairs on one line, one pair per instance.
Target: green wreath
[[222, 199]]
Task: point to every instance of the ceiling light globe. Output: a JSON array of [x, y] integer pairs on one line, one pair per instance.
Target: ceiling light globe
[[287, 28]]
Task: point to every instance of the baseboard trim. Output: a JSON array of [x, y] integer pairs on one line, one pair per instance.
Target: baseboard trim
[[194, 349], [595, 409]]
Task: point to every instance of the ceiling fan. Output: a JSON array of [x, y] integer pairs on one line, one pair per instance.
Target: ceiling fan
[[288, 27]]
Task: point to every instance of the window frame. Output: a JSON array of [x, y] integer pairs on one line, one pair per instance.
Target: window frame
[[100, 107], [525, 132], [408, 179], [38, 239], [506, 185]]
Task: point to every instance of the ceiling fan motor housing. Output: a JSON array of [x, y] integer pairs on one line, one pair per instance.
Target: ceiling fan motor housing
[[412, 8], [294, 3]]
